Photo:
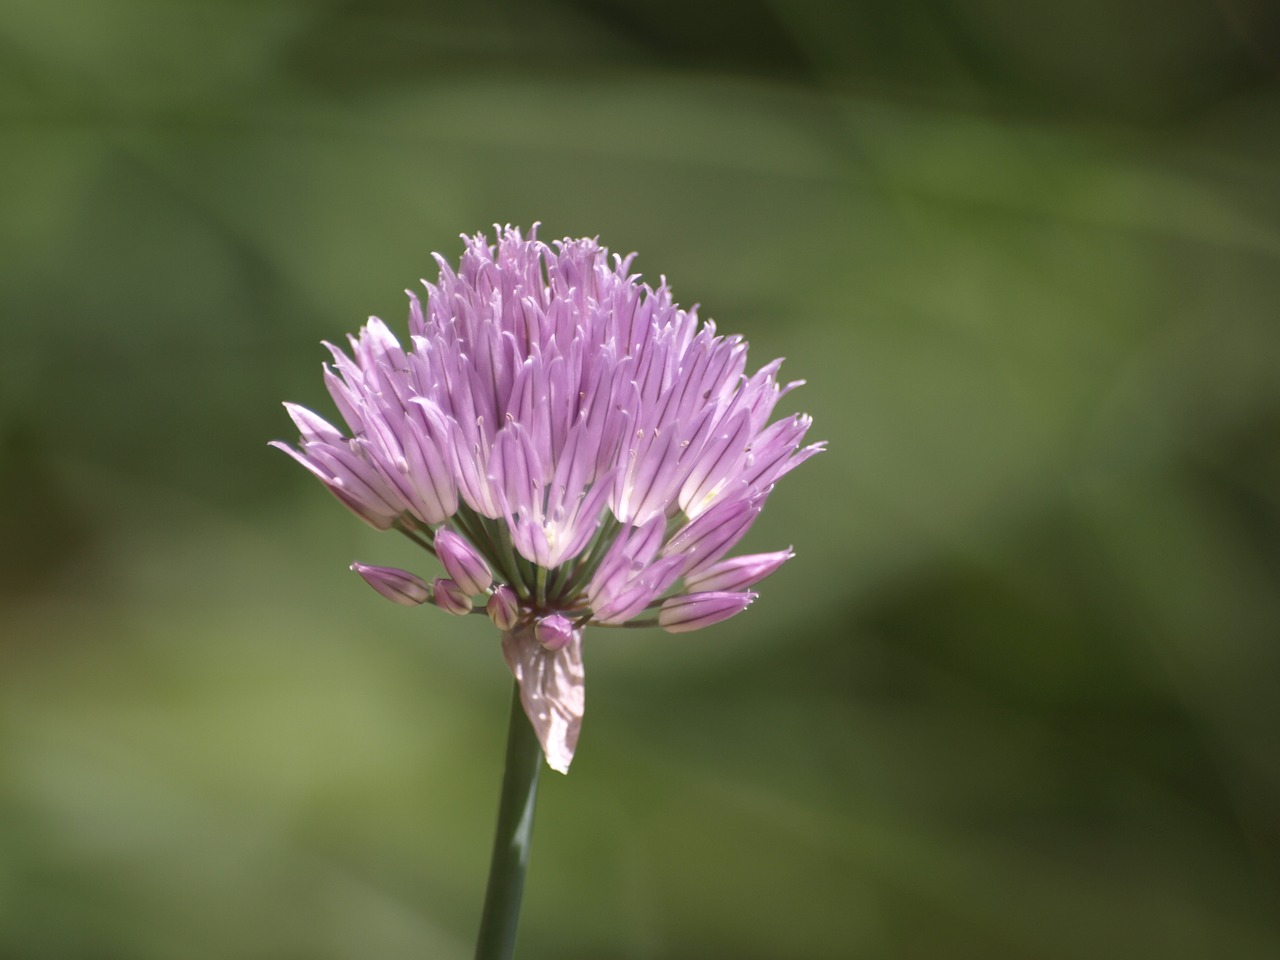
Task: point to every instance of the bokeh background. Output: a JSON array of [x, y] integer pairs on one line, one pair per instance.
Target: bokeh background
[[1018, 696]]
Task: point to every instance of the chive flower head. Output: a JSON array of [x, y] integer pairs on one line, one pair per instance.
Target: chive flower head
[[574, 447]]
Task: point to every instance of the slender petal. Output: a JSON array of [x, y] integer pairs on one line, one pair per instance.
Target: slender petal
[[703, 541], [697, 610], [737, 573]]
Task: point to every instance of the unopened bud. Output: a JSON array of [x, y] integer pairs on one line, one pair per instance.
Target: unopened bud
[[462, 563], [503, 608], [396, 585], [450, 597], [553, 632]]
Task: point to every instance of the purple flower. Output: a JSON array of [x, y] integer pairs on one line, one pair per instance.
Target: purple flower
[[563, 429]]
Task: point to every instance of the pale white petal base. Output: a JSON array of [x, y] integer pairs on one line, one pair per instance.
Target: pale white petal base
[[552, 690]]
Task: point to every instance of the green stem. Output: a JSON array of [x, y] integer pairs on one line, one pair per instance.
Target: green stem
[[417, 538], [501, 914]]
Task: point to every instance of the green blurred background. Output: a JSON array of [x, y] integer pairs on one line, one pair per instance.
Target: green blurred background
[[1018, 696]]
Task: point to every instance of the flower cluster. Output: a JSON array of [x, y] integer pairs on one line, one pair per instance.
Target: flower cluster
[[574, 448]]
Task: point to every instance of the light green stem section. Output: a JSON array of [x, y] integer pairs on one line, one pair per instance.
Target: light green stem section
[[501, 915]]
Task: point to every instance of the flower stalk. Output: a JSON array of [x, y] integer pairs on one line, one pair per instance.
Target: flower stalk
[[575, 450], [501, 915]]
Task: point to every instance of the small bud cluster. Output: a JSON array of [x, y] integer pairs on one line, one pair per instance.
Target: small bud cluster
[[469, 575]]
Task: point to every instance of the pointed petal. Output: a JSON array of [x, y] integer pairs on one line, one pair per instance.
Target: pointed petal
[[737, 573], [694, 611]]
